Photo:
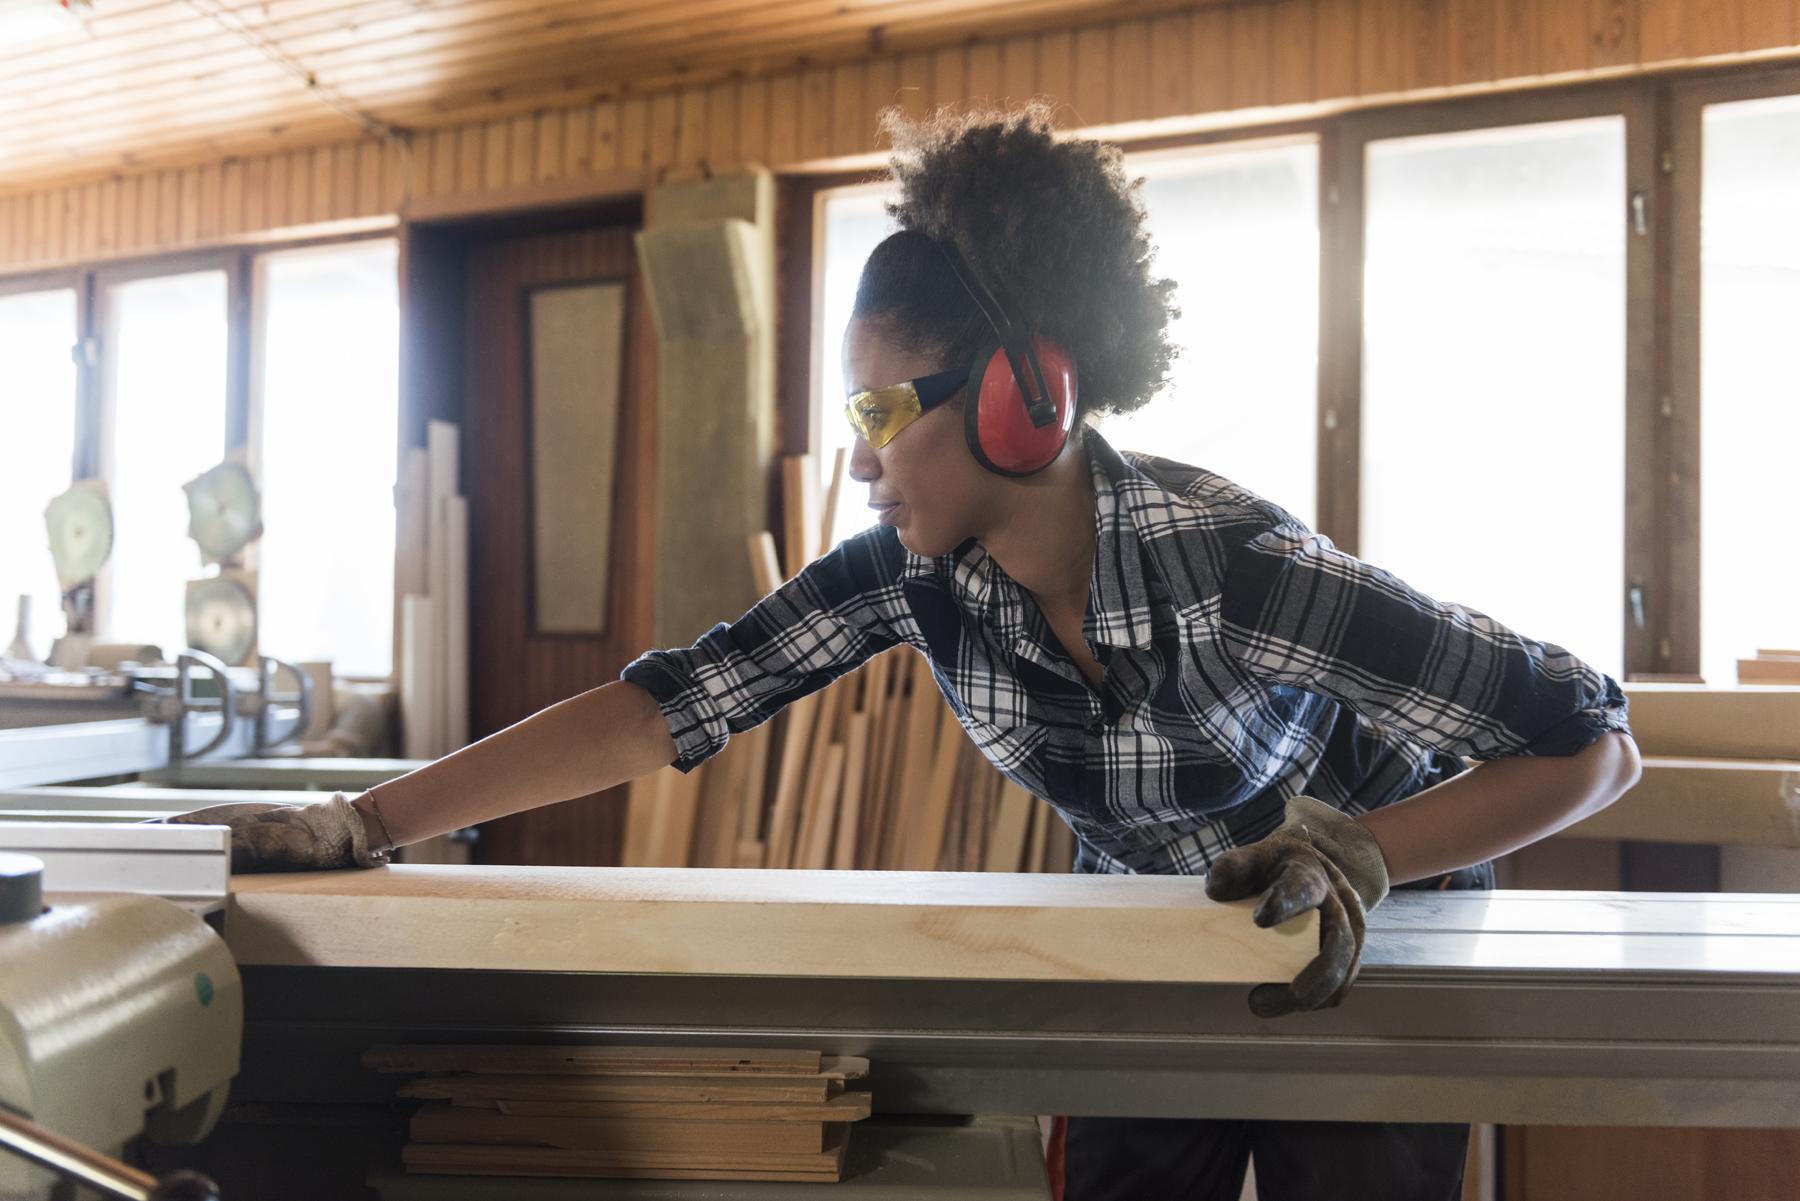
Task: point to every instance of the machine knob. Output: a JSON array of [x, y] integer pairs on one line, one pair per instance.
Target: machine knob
[[21, 887]]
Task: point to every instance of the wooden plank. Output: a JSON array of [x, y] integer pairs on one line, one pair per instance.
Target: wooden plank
[[1006, 844], [1662, 30], [967, 925], [1428, 51], [1092, 75], [845, 1107], [1130, 52], [1379, 37], [1056, 73], [492, 1088], [824, 795], [753, 121], [440, 1122], [544, 1161], [927, 842], [597, 1059], [1562, 38], [852, 126], [1472, 40], [1210, 83], [521, 152], [855, 787], [1765, 23], [1712, 802], [1293, 27], [983, 80], [1768, 671], [1018, 69], [800, 719], [643, 796], [1612, 33], [784, 119], [677, 812], [549, 147], [605, 120], [1756, 722]]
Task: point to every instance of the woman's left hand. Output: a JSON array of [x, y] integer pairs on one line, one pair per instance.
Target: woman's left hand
[[1319, 859]]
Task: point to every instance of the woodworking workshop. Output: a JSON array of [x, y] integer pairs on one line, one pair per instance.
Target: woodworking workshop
[[984, 600]]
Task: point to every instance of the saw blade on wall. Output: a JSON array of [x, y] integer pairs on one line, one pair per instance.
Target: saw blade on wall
[[224, 511], [81, 532], [221, 618]]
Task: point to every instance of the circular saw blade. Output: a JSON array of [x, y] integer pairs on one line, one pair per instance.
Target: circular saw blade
[[81, 533], [224, 511], [221, 618]]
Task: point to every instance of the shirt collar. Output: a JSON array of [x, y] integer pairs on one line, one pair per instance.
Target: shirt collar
[[1119, 598]]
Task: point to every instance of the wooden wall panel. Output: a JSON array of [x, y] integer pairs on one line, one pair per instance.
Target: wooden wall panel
[[1161, 67]]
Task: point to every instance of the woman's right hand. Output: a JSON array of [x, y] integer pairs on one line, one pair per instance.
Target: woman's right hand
[[272, 837]]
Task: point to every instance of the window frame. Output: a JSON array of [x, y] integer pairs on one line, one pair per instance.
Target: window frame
[[91, 282], [1662, 115]]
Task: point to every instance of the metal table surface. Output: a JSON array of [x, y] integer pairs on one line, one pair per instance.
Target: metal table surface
[[1517, 1007]]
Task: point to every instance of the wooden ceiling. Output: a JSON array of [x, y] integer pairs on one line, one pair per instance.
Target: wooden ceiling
[[161, 81]]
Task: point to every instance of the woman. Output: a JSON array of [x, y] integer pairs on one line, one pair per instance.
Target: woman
[[1195, 681]]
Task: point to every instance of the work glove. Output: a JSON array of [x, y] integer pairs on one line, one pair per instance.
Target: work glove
[[1319, 859], [272, 837]]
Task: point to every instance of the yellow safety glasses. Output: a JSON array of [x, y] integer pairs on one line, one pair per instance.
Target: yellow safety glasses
[[880, 413]]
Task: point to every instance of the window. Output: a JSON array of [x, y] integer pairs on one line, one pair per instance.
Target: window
[[1237, 228], [1749, 402], [326, 432], [165, 371], [173, 398], [38, 332], [1493, 405], [853, 223]]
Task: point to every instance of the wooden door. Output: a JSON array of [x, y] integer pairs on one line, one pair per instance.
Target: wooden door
[[516, 669]]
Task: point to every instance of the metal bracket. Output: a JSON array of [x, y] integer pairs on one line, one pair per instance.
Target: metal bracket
[[266, 668]]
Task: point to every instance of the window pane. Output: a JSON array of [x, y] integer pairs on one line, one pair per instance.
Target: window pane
[[167, 338], [1749, 397], [328, 430], [1493, 375], [1238, 231], [37, 411], [854, 224]]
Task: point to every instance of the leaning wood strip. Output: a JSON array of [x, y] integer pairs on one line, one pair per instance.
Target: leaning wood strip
[[954, 925]]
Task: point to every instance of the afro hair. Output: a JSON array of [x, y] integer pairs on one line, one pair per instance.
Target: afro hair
[[1053, 224]]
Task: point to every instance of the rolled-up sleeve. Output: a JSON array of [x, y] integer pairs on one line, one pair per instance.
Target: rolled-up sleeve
[[1297, 610], [818, 626]]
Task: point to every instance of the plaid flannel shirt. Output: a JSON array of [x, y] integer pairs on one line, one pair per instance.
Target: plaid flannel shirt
[[1246, 659]]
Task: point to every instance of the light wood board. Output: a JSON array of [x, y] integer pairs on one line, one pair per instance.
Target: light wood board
[[746, 922]]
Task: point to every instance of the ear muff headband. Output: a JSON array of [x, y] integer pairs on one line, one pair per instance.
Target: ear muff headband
[[1018, 417]]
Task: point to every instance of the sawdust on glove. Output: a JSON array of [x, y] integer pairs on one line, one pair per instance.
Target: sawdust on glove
[[1319, 859], [271, 837]]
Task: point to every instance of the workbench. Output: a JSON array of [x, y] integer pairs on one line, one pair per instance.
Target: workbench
[[1512, 1007]]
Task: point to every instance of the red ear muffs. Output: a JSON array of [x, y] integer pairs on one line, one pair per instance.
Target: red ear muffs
[[1002, 427]]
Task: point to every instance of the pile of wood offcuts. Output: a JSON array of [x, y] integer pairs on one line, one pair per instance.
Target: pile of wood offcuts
[[662, 1113]]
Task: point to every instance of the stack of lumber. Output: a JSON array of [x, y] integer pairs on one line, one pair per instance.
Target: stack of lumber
[[873, 772], [662, 1113], [1770, 667], [1721, 767]]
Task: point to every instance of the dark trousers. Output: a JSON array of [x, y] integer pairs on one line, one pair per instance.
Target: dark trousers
[[1180, 1159]]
